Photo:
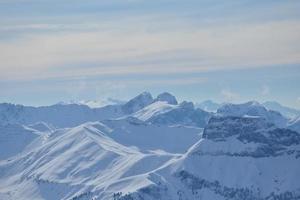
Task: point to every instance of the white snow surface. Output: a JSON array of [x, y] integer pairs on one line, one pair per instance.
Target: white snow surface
[[73, 152], [255, 109], [154, 109], [72, 162]]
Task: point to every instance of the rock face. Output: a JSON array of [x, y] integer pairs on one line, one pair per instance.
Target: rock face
[[270, 140], [239, 158], [137, 103], [167, 97]]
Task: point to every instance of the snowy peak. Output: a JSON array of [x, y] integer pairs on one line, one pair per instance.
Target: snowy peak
[[167, 97], [137, 103], [254, 109]]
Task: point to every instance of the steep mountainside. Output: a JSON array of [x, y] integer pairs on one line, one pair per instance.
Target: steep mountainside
[[14, 138], [238, 158], [78, 163], [148, 149], [145, 136]]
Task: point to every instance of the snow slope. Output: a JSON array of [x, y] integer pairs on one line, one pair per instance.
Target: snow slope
[[78, 163], [148, 149], [14, 139], [238, 158], [154, 109], [145, 136], [294, 124], [253, 109], [41, 126], [184, 114]]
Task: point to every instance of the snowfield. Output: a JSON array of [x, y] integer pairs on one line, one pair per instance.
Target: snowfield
[[148, 149]]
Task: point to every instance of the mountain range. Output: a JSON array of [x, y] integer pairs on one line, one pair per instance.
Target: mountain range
[[149, 148]]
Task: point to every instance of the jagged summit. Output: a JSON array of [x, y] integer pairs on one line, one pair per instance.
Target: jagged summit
[[142, 100], [167, 97], [147, 149]]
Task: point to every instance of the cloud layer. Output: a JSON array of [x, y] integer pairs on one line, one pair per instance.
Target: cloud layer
[[147, 43]]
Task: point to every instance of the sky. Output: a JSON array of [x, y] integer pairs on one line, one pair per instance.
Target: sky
[[226, 51]]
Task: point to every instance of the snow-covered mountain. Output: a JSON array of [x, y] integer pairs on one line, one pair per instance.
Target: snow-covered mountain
[[238, 158], [138, 103], [58, 115], [162, 113], [14, 138], [85, 161], [70, 115], [290, 113], [149, 137], [253, 109], [148, 148]]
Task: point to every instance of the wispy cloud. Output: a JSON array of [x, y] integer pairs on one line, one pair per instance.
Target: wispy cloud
[[134, 51]]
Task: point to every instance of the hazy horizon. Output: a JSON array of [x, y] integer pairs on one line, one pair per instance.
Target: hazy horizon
[[226, 51]]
